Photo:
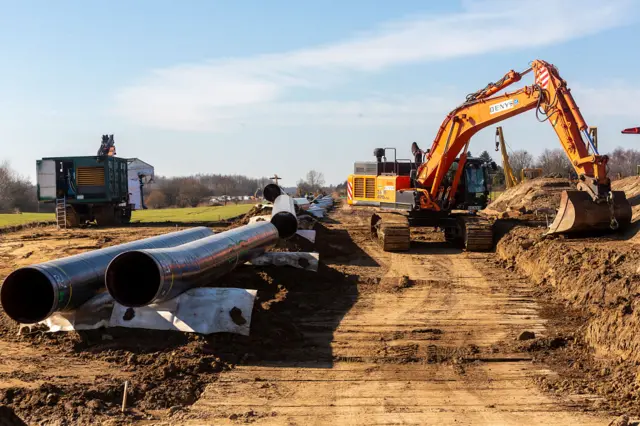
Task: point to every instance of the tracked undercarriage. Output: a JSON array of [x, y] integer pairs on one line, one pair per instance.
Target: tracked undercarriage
[[392, 231]]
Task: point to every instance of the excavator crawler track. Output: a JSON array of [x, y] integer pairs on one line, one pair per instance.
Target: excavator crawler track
[[477, 233], [391, 231]]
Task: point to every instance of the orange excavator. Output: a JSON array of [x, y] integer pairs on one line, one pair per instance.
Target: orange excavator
[[447, 187]]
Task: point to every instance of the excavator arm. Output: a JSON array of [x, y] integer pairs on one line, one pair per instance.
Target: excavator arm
[[552, 101]]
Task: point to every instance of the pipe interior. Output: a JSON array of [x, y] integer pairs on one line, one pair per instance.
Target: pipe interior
[[271, 192], [286, 223], [133, 279], [27, 296]]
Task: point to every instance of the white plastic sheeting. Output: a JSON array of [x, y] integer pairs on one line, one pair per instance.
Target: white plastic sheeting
[[303, 203], [95, 313], [308, 234], [199, 310], [301, 260], [316, 211]]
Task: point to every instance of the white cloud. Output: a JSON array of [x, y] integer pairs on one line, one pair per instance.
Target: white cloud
[[218, 95], [614, 99], [373, 111]]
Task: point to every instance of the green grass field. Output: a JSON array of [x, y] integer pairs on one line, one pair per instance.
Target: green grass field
[[196, 214], [20, 219]]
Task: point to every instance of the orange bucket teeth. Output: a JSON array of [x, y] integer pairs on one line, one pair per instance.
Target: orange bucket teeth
[[579, 213]]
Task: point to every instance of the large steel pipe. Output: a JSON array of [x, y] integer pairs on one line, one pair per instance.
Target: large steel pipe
[[271, 192], [141, 277], [283, 216], [31, 294]]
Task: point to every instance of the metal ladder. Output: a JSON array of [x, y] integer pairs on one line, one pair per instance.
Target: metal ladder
[[61, 213]]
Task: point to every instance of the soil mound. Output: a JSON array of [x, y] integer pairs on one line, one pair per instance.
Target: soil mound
[[257, 210], [532, 195], [631, 187], [599, 277]]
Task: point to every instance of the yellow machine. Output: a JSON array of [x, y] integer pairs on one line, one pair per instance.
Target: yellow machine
[[509, 178], [447, 188], [530, 173]]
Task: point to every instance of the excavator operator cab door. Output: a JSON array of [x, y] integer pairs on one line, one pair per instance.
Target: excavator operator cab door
[[473, 190]]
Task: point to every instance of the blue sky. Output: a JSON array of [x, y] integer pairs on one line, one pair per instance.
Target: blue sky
[[257, 87]]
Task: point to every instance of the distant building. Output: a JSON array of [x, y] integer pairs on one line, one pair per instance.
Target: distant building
[[139, 174]]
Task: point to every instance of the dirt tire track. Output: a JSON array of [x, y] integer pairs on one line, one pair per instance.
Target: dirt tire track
[[424, 353]]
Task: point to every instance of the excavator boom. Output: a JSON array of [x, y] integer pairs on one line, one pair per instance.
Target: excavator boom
[[592, 206]]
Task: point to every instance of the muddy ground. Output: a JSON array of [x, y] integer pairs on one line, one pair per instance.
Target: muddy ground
[[425, 337]]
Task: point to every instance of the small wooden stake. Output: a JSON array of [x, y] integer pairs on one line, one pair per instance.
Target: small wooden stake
[[124, 396]]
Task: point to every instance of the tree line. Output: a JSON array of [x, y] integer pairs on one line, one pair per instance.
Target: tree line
[[189, 191], [18, 193], [554, 162]]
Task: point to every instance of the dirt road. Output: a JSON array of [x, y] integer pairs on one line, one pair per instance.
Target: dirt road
[[417, 347], [371, 338]]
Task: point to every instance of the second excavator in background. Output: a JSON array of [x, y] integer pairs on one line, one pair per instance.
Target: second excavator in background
[[446, 190]]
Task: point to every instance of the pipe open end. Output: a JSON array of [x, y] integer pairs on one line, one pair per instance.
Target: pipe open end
[[286, 223], [133, 279], [271, 192], [27, 296]]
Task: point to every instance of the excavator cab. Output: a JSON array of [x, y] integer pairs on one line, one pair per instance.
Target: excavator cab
[[474, 187]]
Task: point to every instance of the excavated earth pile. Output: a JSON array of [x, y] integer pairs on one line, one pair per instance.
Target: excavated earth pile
[[541, 194], [631, 187], [596, 275], [599, 279], [257, 210]]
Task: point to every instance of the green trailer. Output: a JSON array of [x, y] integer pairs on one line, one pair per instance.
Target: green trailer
[[85, 189]]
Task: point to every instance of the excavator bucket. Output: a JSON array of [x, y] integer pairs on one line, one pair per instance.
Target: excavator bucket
[[579, 213]]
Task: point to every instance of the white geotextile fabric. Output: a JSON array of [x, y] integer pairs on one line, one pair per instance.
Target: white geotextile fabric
[[199, 310]]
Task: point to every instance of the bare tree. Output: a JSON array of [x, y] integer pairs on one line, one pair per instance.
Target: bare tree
[[16, 192], [5, 187], [209, 184], [303, 188], [519, 160], [156, 200], [623, 162], [554, 162], [191, 192], [315, 179], [228, 187]]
